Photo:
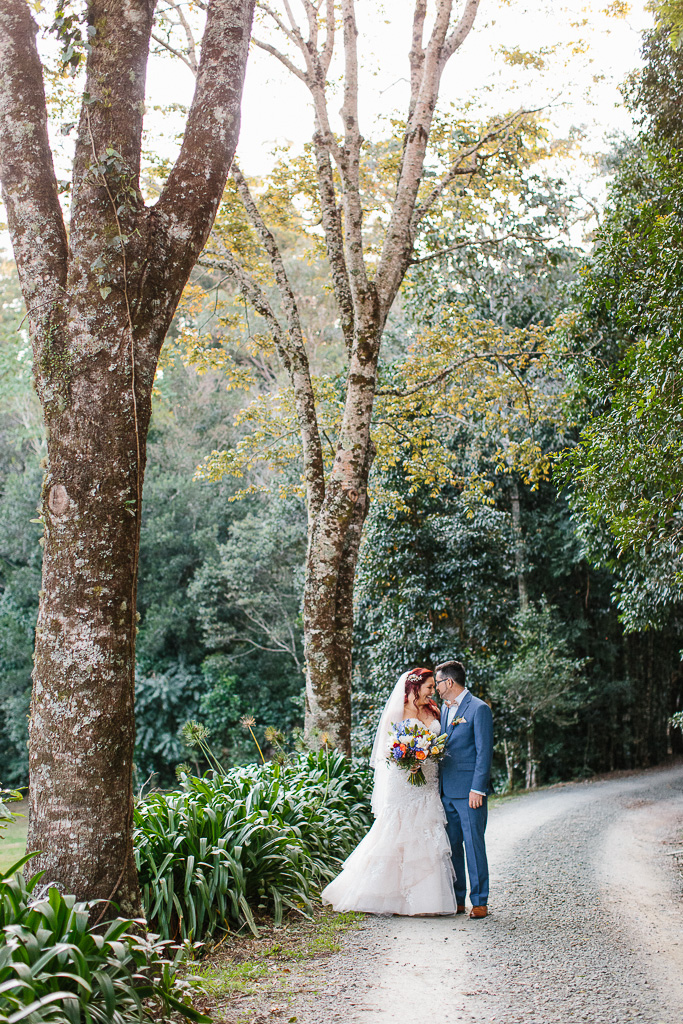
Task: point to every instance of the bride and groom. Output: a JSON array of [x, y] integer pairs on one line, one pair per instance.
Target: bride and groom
[[412, 861]]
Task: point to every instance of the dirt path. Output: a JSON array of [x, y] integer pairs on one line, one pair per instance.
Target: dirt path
[[586, 922]]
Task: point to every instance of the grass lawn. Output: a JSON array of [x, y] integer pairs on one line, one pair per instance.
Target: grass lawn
[[13, 838]]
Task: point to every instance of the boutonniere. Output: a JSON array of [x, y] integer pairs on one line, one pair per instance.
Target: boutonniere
[[457, 721]]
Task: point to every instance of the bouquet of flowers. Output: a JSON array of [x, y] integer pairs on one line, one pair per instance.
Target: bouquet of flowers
[[411, 746]]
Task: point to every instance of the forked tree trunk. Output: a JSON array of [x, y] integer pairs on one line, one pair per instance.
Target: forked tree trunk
[[98, 311], [337, 507]]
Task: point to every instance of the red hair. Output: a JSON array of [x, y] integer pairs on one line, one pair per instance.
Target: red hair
[[415, 679]]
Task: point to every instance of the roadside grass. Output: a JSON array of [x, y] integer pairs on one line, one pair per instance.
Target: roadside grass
[[13, 838], [245, 976]]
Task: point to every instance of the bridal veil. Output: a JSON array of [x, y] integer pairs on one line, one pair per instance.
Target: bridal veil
[[393, 712]]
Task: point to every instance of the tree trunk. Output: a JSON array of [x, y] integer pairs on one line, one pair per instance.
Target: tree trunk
[[530, 780], [364, 296], [82, 730], [328, 618], [98, 312], [519, 548], [509, 765]]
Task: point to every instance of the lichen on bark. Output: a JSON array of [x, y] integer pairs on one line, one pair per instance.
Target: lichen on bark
[[98, 311]]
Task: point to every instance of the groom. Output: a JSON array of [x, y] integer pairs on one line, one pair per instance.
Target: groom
[[465, 782]]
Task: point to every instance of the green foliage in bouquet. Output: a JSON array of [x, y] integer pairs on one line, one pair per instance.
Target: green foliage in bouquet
[[257, 838], [57, 967]]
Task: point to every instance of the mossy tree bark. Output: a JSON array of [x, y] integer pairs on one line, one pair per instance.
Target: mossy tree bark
[[99, 307]]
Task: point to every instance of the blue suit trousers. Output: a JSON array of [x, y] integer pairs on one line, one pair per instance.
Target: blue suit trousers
[[466, 826]]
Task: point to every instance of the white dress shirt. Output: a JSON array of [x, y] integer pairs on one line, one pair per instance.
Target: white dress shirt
[[452, 712]]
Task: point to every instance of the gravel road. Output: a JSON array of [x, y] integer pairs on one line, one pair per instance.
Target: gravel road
[[586, 922]]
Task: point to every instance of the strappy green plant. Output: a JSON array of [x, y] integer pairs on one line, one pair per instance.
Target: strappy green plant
[[57, 967], [256, 839]]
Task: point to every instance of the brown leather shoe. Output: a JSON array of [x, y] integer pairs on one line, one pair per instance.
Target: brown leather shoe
[[462, 909], [479, 912]]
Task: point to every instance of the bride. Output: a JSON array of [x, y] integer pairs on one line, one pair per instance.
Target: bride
[[403, 865]]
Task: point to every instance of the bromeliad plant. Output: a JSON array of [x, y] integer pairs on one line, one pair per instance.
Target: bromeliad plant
[[257, 838], [55, 966]]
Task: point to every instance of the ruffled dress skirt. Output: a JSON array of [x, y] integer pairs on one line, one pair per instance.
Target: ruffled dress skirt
[[403, 865]]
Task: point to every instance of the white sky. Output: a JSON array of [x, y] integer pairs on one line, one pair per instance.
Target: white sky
[[580, 90], [276, 109]]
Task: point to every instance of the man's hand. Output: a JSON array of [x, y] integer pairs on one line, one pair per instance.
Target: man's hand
[[476, 799]]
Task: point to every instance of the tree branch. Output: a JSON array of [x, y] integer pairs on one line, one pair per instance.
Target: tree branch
[[187, 206], [425, 80], [334, 239], [299, 369], [326, 148], [451, 368], [104, 125], [255, 296], [350, 155], [191, 58], [267, 9], [458, 167], [328, 47], [460, 33], [417, 54], [436, 379], [296, 337], [284, 60], [176, 53], [477, 242], [29, 183], [295, 360]]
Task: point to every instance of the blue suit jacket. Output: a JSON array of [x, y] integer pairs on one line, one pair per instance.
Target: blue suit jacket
[[469, 749]]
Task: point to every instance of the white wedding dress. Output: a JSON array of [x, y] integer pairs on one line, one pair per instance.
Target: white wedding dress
[[403, 865]]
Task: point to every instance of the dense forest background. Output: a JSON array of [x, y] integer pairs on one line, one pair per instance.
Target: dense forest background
[[560, 591]]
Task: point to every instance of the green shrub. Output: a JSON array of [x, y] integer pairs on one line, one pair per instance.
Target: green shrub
[[257, 838], [57, 967], [7, 816]]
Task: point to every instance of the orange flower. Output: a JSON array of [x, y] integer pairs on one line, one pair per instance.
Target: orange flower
[[420, 754], [403, 748]]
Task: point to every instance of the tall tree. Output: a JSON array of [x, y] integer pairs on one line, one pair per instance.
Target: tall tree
[[624, 476], [99, 304], [370, 232]]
